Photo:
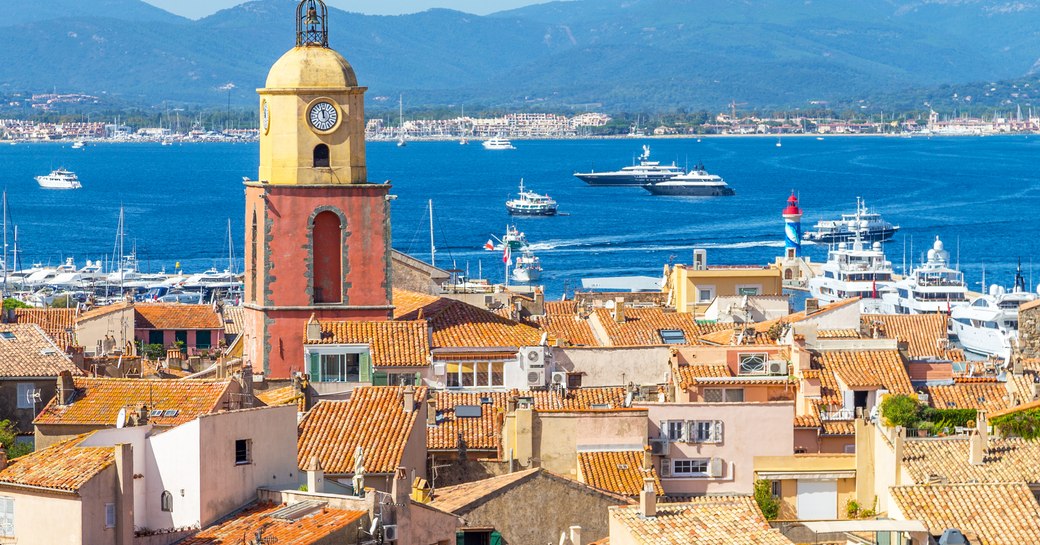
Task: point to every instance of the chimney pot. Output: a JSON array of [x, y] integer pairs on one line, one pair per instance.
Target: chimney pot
[[977, 449], [409, 399], [315, 476], [431, 413], [648, 499], [66, 388]]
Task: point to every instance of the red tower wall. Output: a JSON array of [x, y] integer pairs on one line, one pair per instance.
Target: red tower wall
[[284, 259]]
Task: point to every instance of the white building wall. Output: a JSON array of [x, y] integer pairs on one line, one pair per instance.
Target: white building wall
[[173, 464]]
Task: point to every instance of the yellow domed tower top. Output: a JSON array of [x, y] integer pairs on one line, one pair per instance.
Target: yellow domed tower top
[[312, 121]]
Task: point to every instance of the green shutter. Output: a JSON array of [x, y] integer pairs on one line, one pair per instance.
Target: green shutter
[[315, 365], [418, 379], [366, 367], [460, 538], [496, 538], [379, 378]]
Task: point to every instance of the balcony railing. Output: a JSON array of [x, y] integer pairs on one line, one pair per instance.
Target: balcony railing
[[839, 414]]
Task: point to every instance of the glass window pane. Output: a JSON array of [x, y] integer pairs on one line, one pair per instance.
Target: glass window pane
[[482, 373], [352, 367], [498, 373], [452, 370], [735, 395], [466, 374], [332, 368]]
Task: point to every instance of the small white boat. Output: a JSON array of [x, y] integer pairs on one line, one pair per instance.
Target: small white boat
[[463, 141], [497, 143], [528, 267], [78, 144], [59, 179], [778, 143]]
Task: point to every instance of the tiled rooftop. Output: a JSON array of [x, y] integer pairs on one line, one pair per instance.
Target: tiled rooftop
[[642, 326], [620, 472], [456, 324], [483, 433], [560, 307], [989, 395], [234, 320], [570, 328], [1007, 460], [373, 419], [307, 530], [688, 374], [712, 520], [176, 316], [58, 323], [988, 514], [63, 466], [727, 335], [861, 369], [925, 334], [401, 343], [462, 498], [26, 351], [98, 400], [103, 310]]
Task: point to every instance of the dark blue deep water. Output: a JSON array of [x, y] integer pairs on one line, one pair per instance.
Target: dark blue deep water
[[981, 194]]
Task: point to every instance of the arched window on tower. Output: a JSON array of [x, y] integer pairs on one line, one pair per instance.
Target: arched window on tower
[[166, 501], [321, 156], [327, 258]]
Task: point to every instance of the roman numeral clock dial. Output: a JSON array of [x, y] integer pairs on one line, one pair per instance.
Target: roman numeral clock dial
[[323, 116]]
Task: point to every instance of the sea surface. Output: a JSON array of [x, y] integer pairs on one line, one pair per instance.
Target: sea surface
[[980, 195]]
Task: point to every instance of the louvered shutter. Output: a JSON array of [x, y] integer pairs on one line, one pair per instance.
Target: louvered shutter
[[717, 432], [314, 366], [666, 467], [365, 364]]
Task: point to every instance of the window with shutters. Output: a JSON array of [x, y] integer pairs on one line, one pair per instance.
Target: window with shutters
[[6, 516], [690, 467], [342, 363], [705, 431], [674, 430]]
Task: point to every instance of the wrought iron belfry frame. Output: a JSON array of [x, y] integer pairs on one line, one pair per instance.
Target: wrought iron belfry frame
[[312, 23]]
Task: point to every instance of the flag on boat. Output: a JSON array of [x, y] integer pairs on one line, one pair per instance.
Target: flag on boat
[[506, 255], [489, 245]]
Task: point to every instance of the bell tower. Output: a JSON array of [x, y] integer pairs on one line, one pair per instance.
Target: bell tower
[[317, 233]]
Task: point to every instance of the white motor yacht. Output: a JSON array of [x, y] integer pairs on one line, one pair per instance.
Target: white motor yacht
[[868, 225], [989, 325], [497, 143], [528, 267], [641, 174], [853, 270], [932, 287], [695, 183], [59, 179]]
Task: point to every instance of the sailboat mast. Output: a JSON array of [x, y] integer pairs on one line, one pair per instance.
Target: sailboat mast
[[231, 249], [6, 267], [433, 250]]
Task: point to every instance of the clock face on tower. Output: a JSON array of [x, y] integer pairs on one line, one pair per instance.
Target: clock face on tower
[[323, 116]]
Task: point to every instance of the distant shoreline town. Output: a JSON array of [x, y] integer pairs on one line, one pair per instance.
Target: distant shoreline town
[[544, 126]]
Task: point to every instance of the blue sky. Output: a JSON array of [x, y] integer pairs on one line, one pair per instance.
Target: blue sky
[[201, 8]]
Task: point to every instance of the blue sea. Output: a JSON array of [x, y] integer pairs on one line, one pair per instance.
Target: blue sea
[[980, 195]]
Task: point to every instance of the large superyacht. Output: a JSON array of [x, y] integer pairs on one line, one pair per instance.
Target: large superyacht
[[853, 270], [646, 172], [932, 287]]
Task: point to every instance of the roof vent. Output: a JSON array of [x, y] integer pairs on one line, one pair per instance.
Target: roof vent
[[297, 511]]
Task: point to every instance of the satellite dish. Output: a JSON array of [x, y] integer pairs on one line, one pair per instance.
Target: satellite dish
[[121, 418]]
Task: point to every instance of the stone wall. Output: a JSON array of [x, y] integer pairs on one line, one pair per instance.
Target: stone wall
[[537, 510], [1029, 332]]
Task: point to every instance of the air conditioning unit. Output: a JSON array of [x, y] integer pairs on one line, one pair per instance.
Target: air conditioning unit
[[390, 532], [536, 377], [559, 379], [439, 369], [659, 447], [533, 357], [776, 367], [715, 467]]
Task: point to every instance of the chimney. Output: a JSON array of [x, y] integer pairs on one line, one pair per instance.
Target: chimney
[[648, 499], [400, 489], [982, 425], [315, 476], [247, 382], [619, 310], [1017, 368], [409, 399], [313, 332], [142, 415], [977, 449], [3, 457], [431, 413], [511, 405], [575, 535], [66, 388]]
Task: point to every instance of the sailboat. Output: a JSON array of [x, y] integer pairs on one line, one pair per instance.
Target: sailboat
[[400, 129], [778, 144]]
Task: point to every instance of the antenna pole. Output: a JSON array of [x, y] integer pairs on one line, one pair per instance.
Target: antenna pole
[[433, 250]]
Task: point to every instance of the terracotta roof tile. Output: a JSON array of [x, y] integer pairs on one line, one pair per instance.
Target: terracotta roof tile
[[620, 472], [176, 316], [863, 369], [393, 343], [1007, 460], [484, 433], [462, 498], [570, 328], [103, 310], [26, 351], [62, 466], [988, 514], [373, 419], [726, 336], [58, 323], [642, 326], [286, 395], [925, 334], [838, 334], [688, 374], [460, 325], [990, 396], [307, 530], [838, 427], [98, 400], [234, 320], [711, 520], [560, 307]]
